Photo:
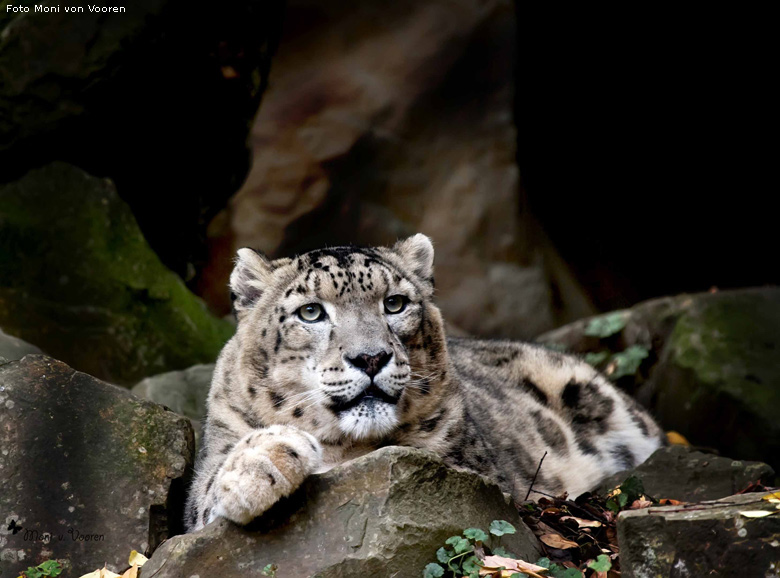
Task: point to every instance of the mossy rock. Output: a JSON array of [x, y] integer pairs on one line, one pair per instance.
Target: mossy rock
[[79, 280], [718, 381]]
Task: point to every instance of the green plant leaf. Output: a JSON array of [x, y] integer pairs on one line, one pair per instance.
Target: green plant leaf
[[33, 573], [501, 527], [606, 325], [543, 562], [596, 359], [627, 362], [602, 563], [433, 570], [50, 568], [471, 564], [269, 570], [443, 555], [501, 551], [475, 534], [561, 572], [459, 544]]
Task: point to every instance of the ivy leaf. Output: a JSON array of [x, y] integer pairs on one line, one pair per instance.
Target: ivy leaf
[[501, 551], [475, 534], [433, 570], [33, 573], [566, 573], [459, 544], [606, 325], [627, 362], [471, 564], [501, 527], [443, 555], [543, 562], [596, 359], [51, 568], [602, 563]]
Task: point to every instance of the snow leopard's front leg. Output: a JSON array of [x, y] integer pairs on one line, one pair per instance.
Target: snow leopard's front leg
[[262, 467]]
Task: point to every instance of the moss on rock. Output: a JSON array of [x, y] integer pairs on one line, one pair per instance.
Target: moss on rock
[[79, 280]]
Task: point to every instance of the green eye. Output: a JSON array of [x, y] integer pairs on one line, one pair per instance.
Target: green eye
[[395, 303], [311, 312]]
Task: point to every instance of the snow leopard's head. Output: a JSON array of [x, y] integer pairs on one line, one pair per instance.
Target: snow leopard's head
[[340, 341]]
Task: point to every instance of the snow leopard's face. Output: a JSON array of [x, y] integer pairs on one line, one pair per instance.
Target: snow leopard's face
[[341, 341]]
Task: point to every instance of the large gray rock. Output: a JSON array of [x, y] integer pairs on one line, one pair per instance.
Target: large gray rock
[[682, 473], [183, 391], [13, 348], [707, 539], [384, 514], [79, 280], [88, 470], [712, 371]]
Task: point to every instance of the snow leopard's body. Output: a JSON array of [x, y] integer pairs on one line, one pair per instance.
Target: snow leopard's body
[[293, 395]]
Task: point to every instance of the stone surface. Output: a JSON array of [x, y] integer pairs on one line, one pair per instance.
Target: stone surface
[[183, 391], [158, 98], [713, 369], [708, 539], [405, 127], [98, 470], [79, 280], [682, 473], [384, 514], [13, 348]]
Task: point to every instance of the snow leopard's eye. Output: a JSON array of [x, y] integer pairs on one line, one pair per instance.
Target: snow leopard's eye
[[395, 303], [311, 312]]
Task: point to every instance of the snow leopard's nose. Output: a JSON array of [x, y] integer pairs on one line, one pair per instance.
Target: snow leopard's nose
[[371, 364]]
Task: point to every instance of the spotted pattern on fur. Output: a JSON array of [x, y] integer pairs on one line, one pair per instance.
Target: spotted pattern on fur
[[292, 397]]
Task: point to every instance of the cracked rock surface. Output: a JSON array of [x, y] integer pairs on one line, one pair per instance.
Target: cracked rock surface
[[87, 470], [705, 539], [384, 514]]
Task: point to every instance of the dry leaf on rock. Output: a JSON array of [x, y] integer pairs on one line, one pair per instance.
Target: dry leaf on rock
[[511, 566], [558, 541], [137, 559], [640, 504], [581, 522], [756, 513]]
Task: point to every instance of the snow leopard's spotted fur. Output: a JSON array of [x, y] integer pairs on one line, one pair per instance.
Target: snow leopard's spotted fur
[[291, 397]]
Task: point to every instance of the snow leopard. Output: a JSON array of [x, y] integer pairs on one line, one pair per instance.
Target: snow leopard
[[340, 351]]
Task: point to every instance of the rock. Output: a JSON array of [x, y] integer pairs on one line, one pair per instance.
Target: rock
[[87, 470], [701, 540], [13, 348], [80, 281], [184, 392], [712, 371], [383, 514], [78, 87], [406, 128], [682, 473]]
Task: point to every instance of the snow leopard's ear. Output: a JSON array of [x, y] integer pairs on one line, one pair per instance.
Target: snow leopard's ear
[[250, 277], [417, 254]]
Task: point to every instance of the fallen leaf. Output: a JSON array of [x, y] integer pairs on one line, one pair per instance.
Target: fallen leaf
[[670, 502], [676, 439], [131, 572], [558, 541], [137, 559], [774, 496], [493, 563], [581, 522], [640, 504], [756, 513]]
